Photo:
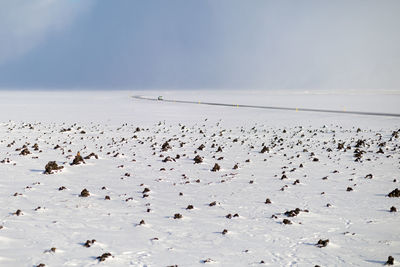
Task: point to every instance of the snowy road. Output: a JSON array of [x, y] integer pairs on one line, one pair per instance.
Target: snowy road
[[273, 108]]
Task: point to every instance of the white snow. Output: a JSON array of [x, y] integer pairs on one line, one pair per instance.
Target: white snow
[[358, 224]]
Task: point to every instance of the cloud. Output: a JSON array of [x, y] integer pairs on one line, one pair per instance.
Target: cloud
[[26, 24]]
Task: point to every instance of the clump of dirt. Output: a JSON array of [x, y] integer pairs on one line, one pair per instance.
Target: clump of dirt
[[390, 261], [25, 152], [264, 149], [322, 243], [224, 232], [178, 216], [51, 166], [394, 193], [84, 193], [286, 221], [104, 256], [189, 207], [349, 189], [198, 159], [89, 243], [78, 159], [92, 155], [41, 265], [201, 147], [219, 149], [212, 203], [107, 198], [61, 188], [236, 166], [393, 209], [35, 147], [142, 222], [216, 168], [267, 201]]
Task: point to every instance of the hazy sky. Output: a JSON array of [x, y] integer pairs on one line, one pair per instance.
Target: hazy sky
[[178, 44]]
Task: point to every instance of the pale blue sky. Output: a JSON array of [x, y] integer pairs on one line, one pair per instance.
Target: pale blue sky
[[179, 44]]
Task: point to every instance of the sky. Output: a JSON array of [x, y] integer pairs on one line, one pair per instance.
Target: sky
[[208, 44]]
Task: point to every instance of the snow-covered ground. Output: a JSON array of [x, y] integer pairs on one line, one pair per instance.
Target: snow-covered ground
[[309, 164]]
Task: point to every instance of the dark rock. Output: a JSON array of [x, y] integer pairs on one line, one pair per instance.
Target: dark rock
[[198, 159], [189, 207], [264, 149], [165, 146], [286, 221], [267, 201], [216, 168], [224, 232], [322, 243], [91, 155], [178, 216], [25, 152], [394, 193], [78, 159], [104, 256], [393, 209], [84, 193], [51, 166], [390, 261]]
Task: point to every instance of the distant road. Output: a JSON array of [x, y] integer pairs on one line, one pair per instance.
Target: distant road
[[269, 107]]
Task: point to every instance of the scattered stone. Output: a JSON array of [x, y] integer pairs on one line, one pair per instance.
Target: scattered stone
[[78, 159], [91, 155], [18, 213], [292, 213], [216, 168], [142, 222], [393, 209], [349, 189], [89, 243], [84, 193], [107, 198], [394, 193], [322, 243], [368, 176], [390, 261], [189, 207], [267, 201], [104, 256], [212, 203], [286, 221], [51, 166], [198, 159], [165, 147], [25, 152], [61, 188], [264, 149], [224, 232], [178, 216]]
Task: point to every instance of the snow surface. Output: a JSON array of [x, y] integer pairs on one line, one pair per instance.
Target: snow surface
[[127, 134]]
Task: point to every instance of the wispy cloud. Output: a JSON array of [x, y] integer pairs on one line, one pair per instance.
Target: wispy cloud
[[25, 24]]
